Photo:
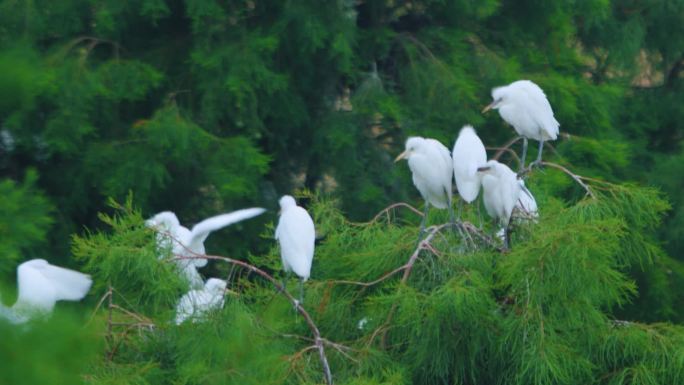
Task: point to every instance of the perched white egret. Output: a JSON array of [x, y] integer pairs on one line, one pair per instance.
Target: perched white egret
[[432, 170], [190, 243], [296, 234], [468, 155], [501, 193], [523, 105], [40, 286], [195, 303]]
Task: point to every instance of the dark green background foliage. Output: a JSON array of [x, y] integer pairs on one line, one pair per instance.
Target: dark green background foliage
[[203, 107]]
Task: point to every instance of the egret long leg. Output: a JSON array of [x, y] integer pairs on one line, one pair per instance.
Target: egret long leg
[[524, 154], [301, 291], [507, 235], [479, 212], [451, 213], [422, 223], [541, 147]]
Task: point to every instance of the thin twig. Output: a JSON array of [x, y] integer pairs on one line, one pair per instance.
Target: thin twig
[[422, 245], [389, 208], [574, 176], [506, 147]]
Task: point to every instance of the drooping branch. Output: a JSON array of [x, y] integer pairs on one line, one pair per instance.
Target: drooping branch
[[575, 177], [424, 244], [388, 209]]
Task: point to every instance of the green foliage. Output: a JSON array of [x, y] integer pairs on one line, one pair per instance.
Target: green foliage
[[127, 260], [24, 220], [202, 107], [26, 358]]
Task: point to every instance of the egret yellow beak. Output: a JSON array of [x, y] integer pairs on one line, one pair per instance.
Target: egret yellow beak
[[401, 156], [488, 107]]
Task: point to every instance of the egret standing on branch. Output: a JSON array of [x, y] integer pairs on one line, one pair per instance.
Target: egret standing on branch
[[501, 193], [523, 105], [431, 168], [190, 243], [296, 234], [40, 286], [469, 154]]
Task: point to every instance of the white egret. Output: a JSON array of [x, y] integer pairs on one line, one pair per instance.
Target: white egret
[[195, 303], [190, 243], [523, 105], [431, 167], [468, 155], [501, 192], [296, 234], [40, 286]]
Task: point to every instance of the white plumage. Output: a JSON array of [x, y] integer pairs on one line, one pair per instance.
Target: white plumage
[[195, 303], [296, 234], [431, 168], [501, 192], [468, 155], [526, 206], [523, 105], [190, 243], [41, 285]]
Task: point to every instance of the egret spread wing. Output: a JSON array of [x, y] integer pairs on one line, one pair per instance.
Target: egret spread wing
[[68, 284], [41, 284], [201, 230]]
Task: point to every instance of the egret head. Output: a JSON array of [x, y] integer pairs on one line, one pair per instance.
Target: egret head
[[412, 145], [165, 220], [215, 285], [287, 201], [499, 96], [489, 168]]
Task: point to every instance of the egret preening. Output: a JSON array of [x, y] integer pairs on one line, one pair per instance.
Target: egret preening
[[523, 105], [195, 303], [190, 243], [40, 286], [432, 169], [501, 193], [468, 155], [296, 235]]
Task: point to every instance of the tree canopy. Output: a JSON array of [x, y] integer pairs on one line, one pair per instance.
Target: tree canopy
[[111, 111]]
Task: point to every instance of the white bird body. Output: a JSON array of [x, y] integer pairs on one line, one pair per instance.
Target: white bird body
[[40, 285], [526, 204], [524, 106], [195, 303], [190, 243], [501, 190], [468, 155], [431, 169], [296, 234]]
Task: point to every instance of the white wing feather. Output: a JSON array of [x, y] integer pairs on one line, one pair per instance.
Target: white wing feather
[[196, 303], [469, 153], [201, 230], [41, 284], [430, 178], [539, 108], [297, 235]]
